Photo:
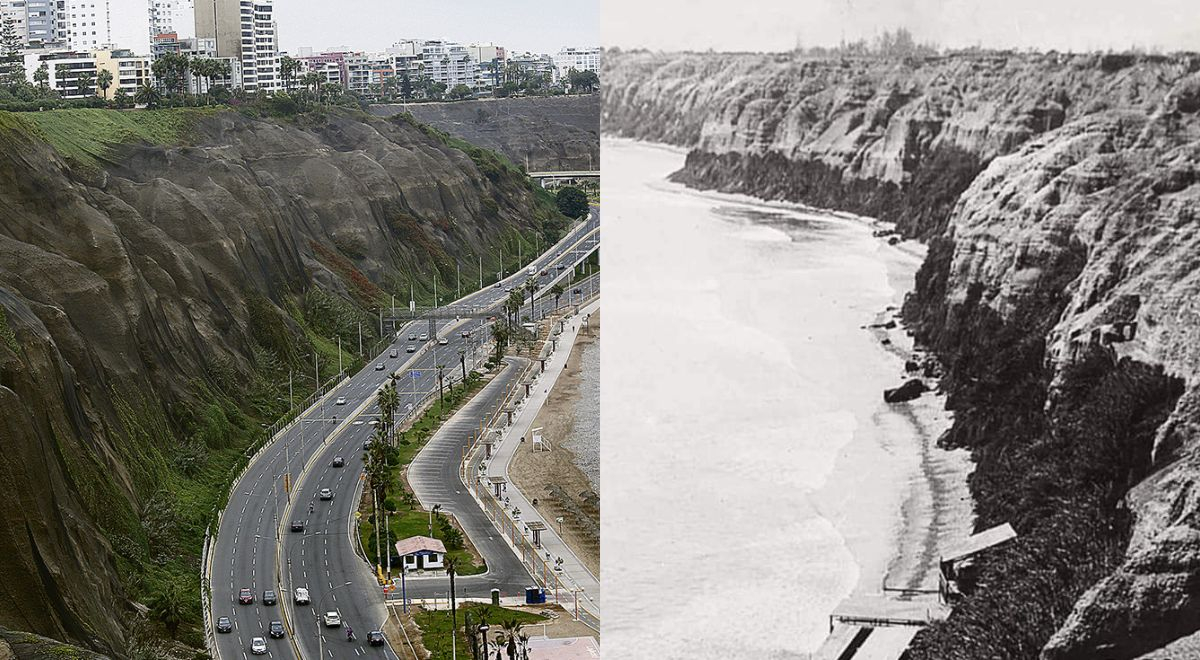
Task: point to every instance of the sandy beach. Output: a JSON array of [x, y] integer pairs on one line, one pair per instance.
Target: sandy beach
[[562, 489]]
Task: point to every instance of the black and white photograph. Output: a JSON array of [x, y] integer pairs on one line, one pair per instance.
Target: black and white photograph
[[902, 329]]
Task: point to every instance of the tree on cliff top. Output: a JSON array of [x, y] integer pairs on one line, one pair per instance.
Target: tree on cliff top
[[12, 65], [572, 202]]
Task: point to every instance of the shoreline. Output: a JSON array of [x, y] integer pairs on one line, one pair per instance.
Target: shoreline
[[553, 478], [935, 510]]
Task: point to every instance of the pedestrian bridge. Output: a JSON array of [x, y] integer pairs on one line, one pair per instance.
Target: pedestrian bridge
[[569, 174]]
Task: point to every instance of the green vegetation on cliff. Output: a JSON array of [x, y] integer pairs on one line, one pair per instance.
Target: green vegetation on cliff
[[88, 135]]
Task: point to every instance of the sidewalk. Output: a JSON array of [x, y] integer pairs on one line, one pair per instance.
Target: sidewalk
[[574, 575]]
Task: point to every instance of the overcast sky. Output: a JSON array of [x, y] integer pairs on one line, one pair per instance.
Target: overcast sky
[[370, 25], [773, 25]]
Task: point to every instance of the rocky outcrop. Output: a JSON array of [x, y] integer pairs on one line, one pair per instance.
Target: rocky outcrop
[[1057, 194], [543, 134], [154, 299], [911, 389]]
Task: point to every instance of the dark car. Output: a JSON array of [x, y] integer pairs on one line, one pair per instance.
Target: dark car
[[275, 630], [245, 597], [224, 625], [577, 292], [338, 461], [269, 597], [297, 525], [375, 638]]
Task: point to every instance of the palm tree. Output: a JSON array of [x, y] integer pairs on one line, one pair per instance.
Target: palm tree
[[84, 81], [169, 607], [500, 335], [42, 77], [511, 629], [389, 401], [147, 96], [532, 287], [103, 81], [288, 68], [557, 290]]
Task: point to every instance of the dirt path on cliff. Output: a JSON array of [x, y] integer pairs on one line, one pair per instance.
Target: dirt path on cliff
[[560, 487]]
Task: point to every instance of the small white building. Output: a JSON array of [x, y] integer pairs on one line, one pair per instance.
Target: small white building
[[580, 59], [421, 553]]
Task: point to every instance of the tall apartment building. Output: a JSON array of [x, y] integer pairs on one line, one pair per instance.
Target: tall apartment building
[[42, 22], [490, 61], [172, 16], [245, 30], [14, 11], [580, 59]]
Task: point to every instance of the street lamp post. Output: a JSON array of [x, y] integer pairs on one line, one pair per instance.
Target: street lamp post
[[320, 639], [435, 509], [483, 630]]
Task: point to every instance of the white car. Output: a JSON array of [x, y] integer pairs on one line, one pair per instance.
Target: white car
[[532, 270], [443, 341], [326, 494], [333, 620], [341, 401], [258, 646], [410, 349], [302, 596], [424, 336]]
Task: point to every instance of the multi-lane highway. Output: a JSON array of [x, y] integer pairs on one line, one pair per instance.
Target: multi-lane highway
[[254, 546]]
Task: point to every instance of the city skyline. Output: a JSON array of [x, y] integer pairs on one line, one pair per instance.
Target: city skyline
[[519, 26], [770, 25]]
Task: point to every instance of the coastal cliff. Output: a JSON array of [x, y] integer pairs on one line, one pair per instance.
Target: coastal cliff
[[164, 276], [1057, 196]]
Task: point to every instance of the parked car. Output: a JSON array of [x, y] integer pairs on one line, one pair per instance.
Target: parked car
[[341, 401], [375, 638], [297, 525], [326, 494], [224, 625], [269, 597], [246, 597], [301, 596], [275, 629], [410, 349], [333, 619], [258, 646], [378, 366]]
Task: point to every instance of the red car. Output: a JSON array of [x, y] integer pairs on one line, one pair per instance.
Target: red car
[[245, 597]]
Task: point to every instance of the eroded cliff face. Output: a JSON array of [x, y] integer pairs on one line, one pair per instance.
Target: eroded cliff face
[[543, 134], [150, 307], [1059, 197]]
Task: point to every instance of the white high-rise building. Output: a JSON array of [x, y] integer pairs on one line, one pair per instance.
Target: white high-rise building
[[14, 11], [246, 30], [580, 59], [172, 16], [87, 25]]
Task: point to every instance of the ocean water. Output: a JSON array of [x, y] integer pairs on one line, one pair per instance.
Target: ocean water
[[584, 439], [754, 477]]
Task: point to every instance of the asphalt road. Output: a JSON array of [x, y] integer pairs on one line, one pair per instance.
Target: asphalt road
[[253, 545]]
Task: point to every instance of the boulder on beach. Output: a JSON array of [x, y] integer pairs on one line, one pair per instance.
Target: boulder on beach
[[910, 390], [911, 365]]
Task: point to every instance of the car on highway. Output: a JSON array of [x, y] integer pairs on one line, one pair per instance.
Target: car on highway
[[297, 525], [424, 336], [412, 336], [326, 494], [410, 349], [341, 401], [338, 461], [561, 266], [258, 646], [246, 597], [275, 629], [378, 366], [393, 353], [508, 289], [224, 625], [301, 596], [269, 597], [466, 334], [375, 638], [531, 270], [333, 619], [443, 341], [497, 285], [577, 292]]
